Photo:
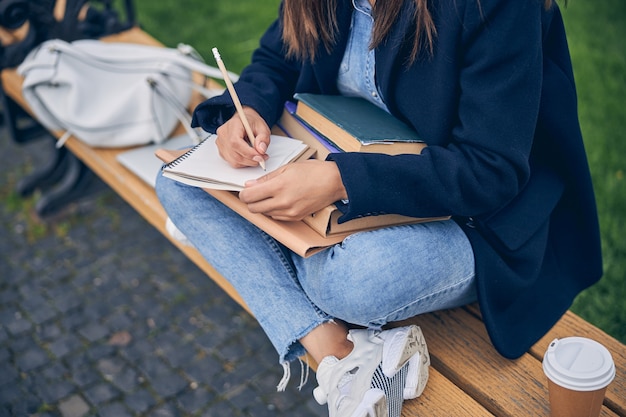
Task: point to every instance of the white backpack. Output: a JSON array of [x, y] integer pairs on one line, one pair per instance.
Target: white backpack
[[113, 94]]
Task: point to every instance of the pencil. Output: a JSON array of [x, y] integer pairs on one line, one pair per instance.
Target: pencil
[[235, 97]]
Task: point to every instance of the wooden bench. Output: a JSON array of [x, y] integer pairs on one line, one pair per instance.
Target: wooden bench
[[467, 378]]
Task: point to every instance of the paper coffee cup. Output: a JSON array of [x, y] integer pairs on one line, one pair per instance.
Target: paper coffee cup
[[578, 371]]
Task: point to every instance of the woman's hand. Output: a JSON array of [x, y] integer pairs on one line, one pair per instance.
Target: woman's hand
[[295, 190], [232, 140]]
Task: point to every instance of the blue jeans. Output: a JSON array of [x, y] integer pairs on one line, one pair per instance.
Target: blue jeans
[[370, 279]]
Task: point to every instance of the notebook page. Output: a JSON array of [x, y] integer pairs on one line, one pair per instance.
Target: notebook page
[[202, 165]]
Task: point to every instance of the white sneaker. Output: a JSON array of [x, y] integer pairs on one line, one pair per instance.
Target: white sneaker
[[368, 382]]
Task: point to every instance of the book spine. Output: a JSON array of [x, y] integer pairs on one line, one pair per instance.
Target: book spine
[[290, 107]]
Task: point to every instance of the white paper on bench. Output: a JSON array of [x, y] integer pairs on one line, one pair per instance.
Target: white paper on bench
[[142, 162]]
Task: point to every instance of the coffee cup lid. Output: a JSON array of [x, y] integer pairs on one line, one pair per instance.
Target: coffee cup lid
[[579, 364]]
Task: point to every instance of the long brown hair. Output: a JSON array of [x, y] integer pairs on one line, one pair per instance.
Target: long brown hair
[[307, 24]]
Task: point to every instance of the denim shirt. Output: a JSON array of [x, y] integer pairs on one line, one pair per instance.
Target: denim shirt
[[357, 73]]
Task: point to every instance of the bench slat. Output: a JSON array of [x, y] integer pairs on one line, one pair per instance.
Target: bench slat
[[442, 398]]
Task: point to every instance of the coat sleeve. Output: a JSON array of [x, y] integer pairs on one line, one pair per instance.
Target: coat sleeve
[[482, 159]]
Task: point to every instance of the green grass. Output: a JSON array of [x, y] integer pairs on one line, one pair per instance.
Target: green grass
[[233, 26], [597, 37]]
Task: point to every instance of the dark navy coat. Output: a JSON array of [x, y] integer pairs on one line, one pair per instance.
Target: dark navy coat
[[496, 103]]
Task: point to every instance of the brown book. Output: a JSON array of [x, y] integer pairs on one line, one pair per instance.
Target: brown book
[[325, 222]]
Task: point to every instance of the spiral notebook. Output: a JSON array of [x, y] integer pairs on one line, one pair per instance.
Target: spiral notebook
[[202, 166]]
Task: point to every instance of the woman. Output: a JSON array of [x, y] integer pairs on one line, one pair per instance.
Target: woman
[[489, 86]]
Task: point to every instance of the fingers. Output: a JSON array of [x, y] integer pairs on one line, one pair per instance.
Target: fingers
[[260, 144], [261, 141], [265, 177], [258, 190], [234, 145]]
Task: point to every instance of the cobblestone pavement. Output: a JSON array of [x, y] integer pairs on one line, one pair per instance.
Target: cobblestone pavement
[[101, 316]]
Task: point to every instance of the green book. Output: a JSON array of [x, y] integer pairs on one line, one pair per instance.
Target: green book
[[354, 124]]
